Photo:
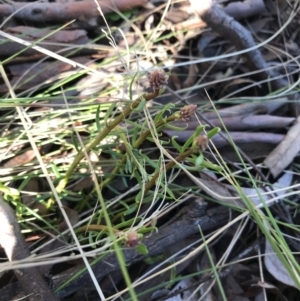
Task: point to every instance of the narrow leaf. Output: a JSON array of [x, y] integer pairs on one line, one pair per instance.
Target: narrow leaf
[[176, 145], [213, 132], [109, 112], [160, 115], [142, 249], [141, 106], [97, 119], [199, 130], [175, 128], [188, 143], [131, 86], [199, 160]]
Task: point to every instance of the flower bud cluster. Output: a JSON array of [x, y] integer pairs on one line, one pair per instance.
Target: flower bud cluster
[[158, 79], [186, 112]]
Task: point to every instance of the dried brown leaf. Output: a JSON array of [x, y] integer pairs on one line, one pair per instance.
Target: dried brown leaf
[[21, 159]]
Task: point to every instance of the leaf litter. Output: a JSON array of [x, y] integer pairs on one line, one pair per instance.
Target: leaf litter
[[254, 95]]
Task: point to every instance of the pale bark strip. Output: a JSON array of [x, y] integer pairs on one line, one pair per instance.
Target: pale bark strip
[[15, 247], [237, 137], [285, 152], [241, 123]]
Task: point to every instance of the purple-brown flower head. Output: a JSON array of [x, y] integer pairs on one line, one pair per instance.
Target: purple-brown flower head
[[132, 239], [186, 112], [158, 79], [201, 142]]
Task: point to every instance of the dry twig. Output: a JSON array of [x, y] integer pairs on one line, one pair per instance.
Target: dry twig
[[240, 37]]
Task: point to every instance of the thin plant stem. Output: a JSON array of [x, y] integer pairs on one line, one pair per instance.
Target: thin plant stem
[[123, 160], [168, 166], [102, 135]]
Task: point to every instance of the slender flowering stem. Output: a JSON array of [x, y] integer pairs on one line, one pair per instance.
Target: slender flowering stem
[[109, 127], [123, 160], [168, 166]]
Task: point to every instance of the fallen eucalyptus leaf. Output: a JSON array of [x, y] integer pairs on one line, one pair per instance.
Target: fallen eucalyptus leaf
[[276, 268]]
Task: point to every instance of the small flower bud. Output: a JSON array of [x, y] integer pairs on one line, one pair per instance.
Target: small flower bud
[[201, 142], [186, 112], [132, 239], [158, 79]]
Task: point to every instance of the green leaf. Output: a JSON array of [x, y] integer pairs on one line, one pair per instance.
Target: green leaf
[[100, 217], [124, 204], [128, 166], [74, 141], [199, 160], [109, 112], [148, 160], [138, 197], [162, 90], [191, 159], [169, 191], [98, 237], [124, 178], [190, 141], [24, 183], [160, 128], [97, 120], [142, 249], [199, 130], [154, 259], [131, 85], [91, 235], [137, 176], [148, 198], [145, 230], [213, 132], [159, 195], [176, 145], [134, 135], [131, 209], [192, 168], [212, 166], [162, 142], [136, 124], [128, 223], [175, 128], [19, 209], [113, 17], [56, 171], [160, 115], [187, 144], [141, 106], [9, 193], [117, 17]]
